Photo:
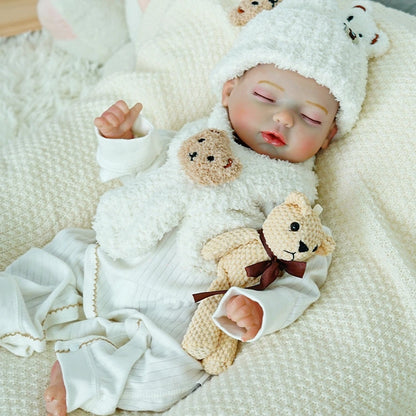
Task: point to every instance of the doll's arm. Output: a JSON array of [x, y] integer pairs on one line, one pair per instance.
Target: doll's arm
[[282, 302], [119, 157]]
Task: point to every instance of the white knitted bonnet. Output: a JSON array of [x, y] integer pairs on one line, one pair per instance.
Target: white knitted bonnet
[[316, 39]]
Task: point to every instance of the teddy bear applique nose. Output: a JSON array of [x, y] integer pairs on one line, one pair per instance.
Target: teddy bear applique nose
[[192, 155], [303, 248]]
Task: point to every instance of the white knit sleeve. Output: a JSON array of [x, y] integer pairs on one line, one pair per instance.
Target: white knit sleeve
[[120, 157], [283, 301]]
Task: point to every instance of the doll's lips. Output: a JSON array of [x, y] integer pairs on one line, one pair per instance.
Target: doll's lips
[[229, 164], [274, 138]]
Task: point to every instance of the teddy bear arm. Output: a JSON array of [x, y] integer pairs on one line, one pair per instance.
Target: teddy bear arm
[[223, 243], [202, 335], [222, 357]]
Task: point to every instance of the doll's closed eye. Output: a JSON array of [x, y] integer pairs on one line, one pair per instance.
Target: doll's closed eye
[[311, 120], [264, 96]]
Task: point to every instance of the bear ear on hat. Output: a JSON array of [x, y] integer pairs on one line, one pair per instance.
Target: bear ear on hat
[[247, 9], [361, 28]]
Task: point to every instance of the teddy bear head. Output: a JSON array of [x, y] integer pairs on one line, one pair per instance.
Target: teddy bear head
[[362, 29], [247, 9], [293, 230], [207, 158]]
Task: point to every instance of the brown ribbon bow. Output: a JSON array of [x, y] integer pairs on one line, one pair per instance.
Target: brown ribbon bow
[[270, 270]]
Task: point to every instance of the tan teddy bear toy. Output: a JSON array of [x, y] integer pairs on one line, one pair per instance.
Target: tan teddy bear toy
[[291, 234]]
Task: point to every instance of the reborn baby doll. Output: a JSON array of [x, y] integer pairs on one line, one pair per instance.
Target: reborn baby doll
[[119, 297]]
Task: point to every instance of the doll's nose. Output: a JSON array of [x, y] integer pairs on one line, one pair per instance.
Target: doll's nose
[[283, 117]]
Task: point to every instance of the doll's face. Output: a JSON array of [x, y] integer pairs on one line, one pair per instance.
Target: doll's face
[[280, 113]]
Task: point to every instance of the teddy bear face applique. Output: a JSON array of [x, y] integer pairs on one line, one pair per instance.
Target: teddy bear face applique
[[207, 158]]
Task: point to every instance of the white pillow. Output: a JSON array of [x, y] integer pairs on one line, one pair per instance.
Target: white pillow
[[92, 29]]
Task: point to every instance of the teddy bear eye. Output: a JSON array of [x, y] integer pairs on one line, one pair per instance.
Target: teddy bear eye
[[294, 226], [201, 140], [255, 3], [316, 248], [210, 158]]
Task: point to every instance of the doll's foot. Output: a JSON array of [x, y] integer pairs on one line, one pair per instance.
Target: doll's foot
[[55, 394]]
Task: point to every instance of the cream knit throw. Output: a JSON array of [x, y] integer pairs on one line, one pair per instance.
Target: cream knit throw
[[354, 352]]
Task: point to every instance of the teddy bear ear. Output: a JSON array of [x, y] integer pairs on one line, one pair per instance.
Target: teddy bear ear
[[299, 199], [247, 10], [327, 246]]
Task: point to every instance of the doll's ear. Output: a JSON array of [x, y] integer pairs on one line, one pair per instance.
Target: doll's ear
[[327, 246], [227, 89]]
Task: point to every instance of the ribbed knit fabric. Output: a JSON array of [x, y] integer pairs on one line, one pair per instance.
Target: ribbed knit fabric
[[354, 352]]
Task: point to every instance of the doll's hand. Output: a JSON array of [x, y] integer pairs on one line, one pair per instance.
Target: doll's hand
[[117, 121], [246, 313]]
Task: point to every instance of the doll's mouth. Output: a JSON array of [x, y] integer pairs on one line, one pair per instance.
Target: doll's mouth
[[229, 164], [273, 138]]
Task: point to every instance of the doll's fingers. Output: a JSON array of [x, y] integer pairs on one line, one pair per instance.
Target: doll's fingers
[[99, 122], [108, 130], [240, 315], [103, 125], [231, 306], [134, 113], [250, 334], [130, 118], [112, 117], [122, 106], [234, 304], [246, 322], [117, 113]]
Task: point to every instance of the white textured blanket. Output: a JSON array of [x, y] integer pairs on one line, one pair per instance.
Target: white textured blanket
[[354, 351]]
